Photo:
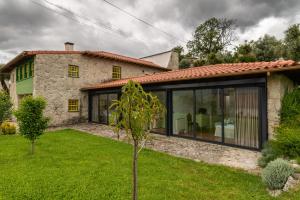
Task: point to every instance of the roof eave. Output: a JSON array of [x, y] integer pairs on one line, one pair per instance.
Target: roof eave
[[297, 66], [10, 65]]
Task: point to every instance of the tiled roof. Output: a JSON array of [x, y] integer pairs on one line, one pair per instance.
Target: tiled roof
[[209, 71], [108, 55], [100, 54]]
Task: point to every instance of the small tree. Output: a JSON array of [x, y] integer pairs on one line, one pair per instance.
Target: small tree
[[5, 106], [30, 117], [136, 111]]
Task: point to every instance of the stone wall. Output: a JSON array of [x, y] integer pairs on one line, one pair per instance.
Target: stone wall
[[277, 86], [52, 82]]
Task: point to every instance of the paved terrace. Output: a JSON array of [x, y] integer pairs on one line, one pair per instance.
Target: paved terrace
[[180, 147]]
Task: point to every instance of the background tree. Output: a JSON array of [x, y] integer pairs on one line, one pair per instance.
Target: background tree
[[244, 52], [268, 48], [212, 37], [292, 42], [5, 106], [180, 51], [136, 111], [30, 118], [184, 63]]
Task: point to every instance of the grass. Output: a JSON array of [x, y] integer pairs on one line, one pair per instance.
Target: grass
[[70, 164]]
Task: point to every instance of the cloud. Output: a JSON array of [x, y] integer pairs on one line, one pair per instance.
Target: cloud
[[25, 25]]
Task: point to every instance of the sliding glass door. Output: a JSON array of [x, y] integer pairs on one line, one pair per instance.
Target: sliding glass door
[[100, 107], [208, 119], [225, 115], [183, 113], [159, 125]]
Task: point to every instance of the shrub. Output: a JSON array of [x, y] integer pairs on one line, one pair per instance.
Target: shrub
[[287, 142], [8, 128], [31, 120], [290, 110], [277, 173], [5, 106], [268, 155]]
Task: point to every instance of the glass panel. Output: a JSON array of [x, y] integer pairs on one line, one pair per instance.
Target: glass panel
[[160, 124], [103, 108], [183, 110], [241, 116], [95, 111], [208, 114], [111, 97]]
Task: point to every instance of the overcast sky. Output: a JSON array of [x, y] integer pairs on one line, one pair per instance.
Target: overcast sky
[[24, 25]]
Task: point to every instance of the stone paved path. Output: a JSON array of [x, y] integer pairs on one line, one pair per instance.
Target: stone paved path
[[196, 150]]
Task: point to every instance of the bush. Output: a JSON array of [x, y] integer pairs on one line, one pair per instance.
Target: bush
[[290, 110], [287, 142], [30, 117], [5, 106], [277, 173], [268, 155], [8, 128]]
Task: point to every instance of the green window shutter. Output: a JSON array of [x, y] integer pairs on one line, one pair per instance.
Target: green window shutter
[[30, 69], [17, 74], [25, 71], [21, 72]]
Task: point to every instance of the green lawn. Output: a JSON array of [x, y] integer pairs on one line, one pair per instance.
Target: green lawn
[[74, 165]]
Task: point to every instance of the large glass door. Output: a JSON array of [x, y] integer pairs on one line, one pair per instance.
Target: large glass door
[[159, 125], [226, 115], [183, 112], [103, 109], [208, 119]]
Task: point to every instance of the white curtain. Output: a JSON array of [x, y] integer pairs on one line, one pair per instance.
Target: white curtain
[[247, 117]]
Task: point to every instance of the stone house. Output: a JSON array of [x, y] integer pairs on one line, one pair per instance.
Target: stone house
[[231, 104], [59, 75]]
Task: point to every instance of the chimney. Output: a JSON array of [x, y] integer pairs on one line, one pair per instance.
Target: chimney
[[69, 46]]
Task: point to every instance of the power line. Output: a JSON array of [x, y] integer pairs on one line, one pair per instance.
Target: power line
[[143, 21], [102, 26]]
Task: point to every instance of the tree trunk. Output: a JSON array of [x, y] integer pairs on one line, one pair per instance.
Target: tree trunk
[[32, 147], [135, 168]]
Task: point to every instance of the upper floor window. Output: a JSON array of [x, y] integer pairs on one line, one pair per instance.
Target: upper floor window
[[73, 71], [116, 72], [24, 71]]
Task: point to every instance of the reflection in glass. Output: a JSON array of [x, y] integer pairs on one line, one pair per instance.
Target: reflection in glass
[[159, 125], [241, 116], [183, 110], [95, 112], [111, 98], [208, 114], [103, 108]]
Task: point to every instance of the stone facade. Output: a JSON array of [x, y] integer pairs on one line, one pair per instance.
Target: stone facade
[[277, 86], [52, 82]]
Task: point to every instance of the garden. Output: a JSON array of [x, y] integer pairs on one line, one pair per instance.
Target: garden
[[69, 164]]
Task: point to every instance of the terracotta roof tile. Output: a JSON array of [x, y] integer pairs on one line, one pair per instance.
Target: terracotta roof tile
[[209, 71], [100, 54], [108, 55]]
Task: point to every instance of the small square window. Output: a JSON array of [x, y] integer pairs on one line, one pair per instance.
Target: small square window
[[116, 72], [73, 71], [73, 105]]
